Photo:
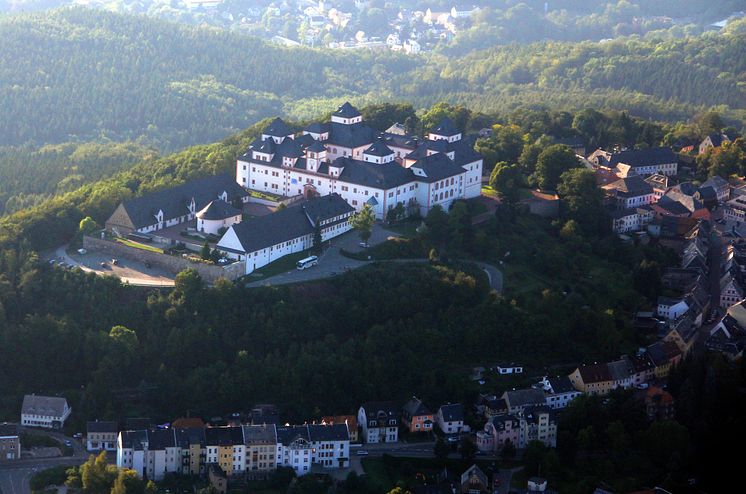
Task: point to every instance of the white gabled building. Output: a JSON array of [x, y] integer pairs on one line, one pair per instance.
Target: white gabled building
[[260, 241], [362, 165], [49, 412], [379, 422]]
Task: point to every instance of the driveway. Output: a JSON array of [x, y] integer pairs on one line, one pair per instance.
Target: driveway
[[331, 261]]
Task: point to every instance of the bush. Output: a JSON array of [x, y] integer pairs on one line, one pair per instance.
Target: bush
[[53, 476]]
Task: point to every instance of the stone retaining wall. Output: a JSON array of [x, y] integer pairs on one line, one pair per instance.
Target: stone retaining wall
[[172, 264]]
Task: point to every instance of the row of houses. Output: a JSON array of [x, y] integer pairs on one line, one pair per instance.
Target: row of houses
[[251, 450]]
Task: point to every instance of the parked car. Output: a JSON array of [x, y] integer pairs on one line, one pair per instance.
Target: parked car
[[115, 262], [52, 261], [364, 245], [642, 386], [362, 452], [68, 443], [103, 264], [82, 252]]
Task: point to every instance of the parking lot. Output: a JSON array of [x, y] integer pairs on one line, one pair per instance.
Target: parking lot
[[132, 272]]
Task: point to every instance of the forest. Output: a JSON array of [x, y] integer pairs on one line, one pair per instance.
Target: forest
[[79, 75]]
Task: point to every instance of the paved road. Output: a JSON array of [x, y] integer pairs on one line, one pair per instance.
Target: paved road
[[331, 262], [15, 475]]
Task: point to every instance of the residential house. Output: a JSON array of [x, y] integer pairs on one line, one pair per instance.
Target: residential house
[[720, 186], [193, 446], [645, 162], [659, 183], [176, 205], [518, 399], [49, 412], [450, 418], [713, 141], [592, 379], [631, 220], [416, 417], [10, 442], [538, 424], [474, 481], [728, 337], [379, 422], [559, 392], [663, 355], [731, 291], [630, 192], [262, 240], [330, 445], [621, 373], [508, 369], [349, 420], [735, 209], [101, 436], [671, 308], [260, 449], [226, 447], [294, 448], [498, 432], [659, 404], [217, 478]]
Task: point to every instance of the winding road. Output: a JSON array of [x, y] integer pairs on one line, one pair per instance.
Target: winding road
[[15, 475]]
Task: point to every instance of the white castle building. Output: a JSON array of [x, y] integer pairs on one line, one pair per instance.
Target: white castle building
[[347, 157]]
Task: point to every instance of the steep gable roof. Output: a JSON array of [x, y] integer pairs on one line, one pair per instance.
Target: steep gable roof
[[52, 406], [289, 223], [446, 128], [174, 202], [346, 111], [217, 210], [643, 157], [278, 128]]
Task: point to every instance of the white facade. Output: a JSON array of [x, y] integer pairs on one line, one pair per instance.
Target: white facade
[[671, 309], [214, 226], [382, 428], [265, 168], [448, 426], [668, 169], [45, 412]]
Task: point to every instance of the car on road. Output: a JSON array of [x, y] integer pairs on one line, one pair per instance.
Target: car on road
[[103, 264], [361, 452], [453, 439], [642, 386], [52, 262], [78, 435], [115, 262], [68, 443], [82, 252], [364, 245]]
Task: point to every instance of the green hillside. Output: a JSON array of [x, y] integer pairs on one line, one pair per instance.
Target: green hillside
[[77, 74]]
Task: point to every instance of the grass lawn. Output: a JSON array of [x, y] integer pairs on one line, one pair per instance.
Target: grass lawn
[[137, 245], [265, 195], [282, 265], [406, 228]]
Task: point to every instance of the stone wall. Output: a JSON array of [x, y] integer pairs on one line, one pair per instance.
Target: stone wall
[[172, 264]]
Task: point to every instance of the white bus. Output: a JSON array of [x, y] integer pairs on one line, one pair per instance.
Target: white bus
[[307, 262]]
